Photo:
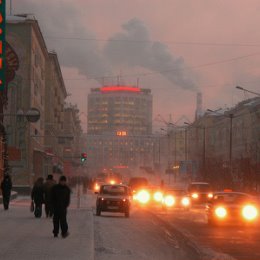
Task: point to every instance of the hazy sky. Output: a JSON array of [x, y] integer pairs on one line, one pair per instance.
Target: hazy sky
[[174, 47]]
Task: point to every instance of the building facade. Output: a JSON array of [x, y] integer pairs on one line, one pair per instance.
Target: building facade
[[120, 128], [27, 90], [120, 108], [226, 145], [55, 95]]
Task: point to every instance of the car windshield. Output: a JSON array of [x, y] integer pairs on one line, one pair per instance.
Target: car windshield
[[113, 190], [231, 198], [135, 182], [200, 187]]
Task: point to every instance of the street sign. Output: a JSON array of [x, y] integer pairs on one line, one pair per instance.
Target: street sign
[[33, 114], [2, 45]]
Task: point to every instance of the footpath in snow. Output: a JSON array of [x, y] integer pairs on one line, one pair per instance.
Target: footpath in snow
[[24, 237]]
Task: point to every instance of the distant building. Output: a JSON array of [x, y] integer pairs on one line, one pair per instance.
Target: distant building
[[220, 157], [120, 108], [120, 128]]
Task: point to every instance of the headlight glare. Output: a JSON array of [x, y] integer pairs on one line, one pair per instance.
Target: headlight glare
[[185, 202], [221, 212], [169, 201], [158, 196], [249, 212], [195, 195], [143, 196]]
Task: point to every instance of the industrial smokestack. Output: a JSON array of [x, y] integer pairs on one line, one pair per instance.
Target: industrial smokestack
[[199, 111]]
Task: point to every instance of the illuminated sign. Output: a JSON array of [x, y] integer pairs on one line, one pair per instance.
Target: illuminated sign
[[2, 44], [120, 89], [121, 133]]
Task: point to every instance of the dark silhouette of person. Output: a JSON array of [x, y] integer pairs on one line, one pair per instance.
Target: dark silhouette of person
[[60, 202], [37, 196], [48, 185], [6, 187]]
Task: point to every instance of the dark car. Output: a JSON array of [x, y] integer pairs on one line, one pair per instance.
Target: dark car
[[136, 183], [113, 198], [200, 192], [232, 207], [176, 198]]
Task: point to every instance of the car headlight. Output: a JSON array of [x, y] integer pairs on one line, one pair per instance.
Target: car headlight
[[210, 195], [221, 212], [249, 212], [96, 187], [143, 196], [185, 202], [158, 196], [169, 201], [195, 195]]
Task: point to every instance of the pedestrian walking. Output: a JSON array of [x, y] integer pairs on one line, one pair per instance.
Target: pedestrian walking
[[6, 187], [60, 202], [37, 196], [48, 185]]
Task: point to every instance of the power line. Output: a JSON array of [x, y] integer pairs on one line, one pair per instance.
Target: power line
[[149, 41], [174, 69]]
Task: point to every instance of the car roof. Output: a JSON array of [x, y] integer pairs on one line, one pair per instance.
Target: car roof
[[231, 192], [119, 185], [195, 183]]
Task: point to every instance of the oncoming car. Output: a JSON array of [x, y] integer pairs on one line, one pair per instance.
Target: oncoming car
[[176, 198], [200, 192], [232, 207], [113, 198]]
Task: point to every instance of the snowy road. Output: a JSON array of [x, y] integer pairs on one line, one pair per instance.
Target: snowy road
[[140, 237]]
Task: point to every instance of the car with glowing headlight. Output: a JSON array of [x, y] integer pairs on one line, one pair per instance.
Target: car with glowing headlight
[[200, 192], [113, 198], [176, 198], [232, 207]]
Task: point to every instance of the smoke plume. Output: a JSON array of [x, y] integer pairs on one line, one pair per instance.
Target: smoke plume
[[133, 47]]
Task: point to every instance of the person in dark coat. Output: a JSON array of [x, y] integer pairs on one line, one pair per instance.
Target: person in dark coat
[[6, 187], [60, 202], [48, 185], [37, 196]]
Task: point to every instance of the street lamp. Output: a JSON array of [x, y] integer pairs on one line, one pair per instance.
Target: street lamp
[[249, 91]]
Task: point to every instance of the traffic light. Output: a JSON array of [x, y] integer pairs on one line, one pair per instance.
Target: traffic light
[[83, 157]]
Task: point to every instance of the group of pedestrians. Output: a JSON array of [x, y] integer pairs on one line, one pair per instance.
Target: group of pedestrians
[[56, 198], [42, 194]]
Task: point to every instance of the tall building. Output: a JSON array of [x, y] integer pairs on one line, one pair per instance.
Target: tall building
[[55, 95], [120, 128], [120, 108], [27, 90]]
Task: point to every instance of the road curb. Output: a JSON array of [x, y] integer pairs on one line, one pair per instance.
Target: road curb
[[189, 244]]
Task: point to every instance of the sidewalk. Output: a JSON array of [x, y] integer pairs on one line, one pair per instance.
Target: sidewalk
[[13, 196], [24, 237]]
